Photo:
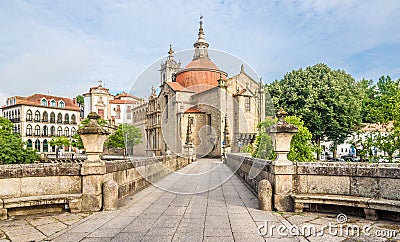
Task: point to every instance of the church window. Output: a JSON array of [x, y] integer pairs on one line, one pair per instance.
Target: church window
[[247, 104], [166, 106], [209, 123]]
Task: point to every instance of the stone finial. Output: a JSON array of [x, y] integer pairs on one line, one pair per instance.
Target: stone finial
[[242, 68], [93, 137], [281, 134]]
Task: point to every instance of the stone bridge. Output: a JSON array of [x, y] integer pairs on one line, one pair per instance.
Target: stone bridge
[[175, 198]]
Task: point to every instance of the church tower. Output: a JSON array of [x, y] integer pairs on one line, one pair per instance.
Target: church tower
[[201, 45], [169, 67]]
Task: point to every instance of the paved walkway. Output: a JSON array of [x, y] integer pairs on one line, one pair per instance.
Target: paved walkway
[[226, 212]]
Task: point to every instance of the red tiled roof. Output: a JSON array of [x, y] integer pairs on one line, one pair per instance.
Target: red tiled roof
[[35, 100], [124, 94], [193, 110], [123, 101], [178, 87], [202, 63]]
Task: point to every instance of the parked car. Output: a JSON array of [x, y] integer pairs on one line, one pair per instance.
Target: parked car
[[349, 158], [337, 160]]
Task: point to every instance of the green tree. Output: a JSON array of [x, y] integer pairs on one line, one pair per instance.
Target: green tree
[[263, 147], [77, 141], [126, 135], [80, 100], [329, 101], [60, 141], [301, 146], [12, 149]]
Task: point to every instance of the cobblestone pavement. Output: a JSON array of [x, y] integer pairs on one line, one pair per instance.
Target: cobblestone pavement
[[224, 213]]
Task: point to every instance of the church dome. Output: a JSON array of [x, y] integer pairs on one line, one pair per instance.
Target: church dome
[[201, 63], [201, 71]]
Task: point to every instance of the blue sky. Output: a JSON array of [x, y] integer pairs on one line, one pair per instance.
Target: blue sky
[[65, 47]]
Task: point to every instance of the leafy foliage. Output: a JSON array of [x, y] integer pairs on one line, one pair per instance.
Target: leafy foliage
[[60, 141], [126, 134], [77, 141], [329, 101], [12, 149], [80, 100], [301, 146]]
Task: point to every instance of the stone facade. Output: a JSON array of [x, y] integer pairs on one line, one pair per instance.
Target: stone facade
[[39, 117], [225, 110]]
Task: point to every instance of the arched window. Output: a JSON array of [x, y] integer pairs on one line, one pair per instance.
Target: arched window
[[73, 119], [44, 102], [59, 118], [66, 131], [66, 118], [37, 130], [53, 103], [45, 146], [29, 144], [29, 130], [61, 104], [59, 131], [73, 131], [29, 115], [52, 117], [18, 114], [45, 131], [45, 117], [52, 131], [37, 116], [37, 145]]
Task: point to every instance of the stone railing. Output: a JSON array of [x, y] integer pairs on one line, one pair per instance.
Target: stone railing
[[371, 188], [90, 185]]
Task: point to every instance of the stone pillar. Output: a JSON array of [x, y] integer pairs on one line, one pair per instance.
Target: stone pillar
[[110, 195], [92, 171], [265, 195], [188, 146], [283, 170]]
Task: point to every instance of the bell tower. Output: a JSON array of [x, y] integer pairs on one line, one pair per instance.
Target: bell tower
[[169, 67]]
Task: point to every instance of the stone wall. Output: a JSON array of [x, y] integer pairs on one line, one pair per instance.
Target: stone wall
[[378, 181], [34, 188], [39, 179], [345, 178], [135, 174]]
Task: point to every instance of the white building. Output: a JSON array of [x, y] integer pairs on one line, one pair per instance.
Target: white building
[[38, 118], [115, 109]]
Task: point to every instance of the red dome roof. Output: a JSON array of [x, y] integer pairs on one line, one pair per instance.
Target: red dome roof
[[202, 63]]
